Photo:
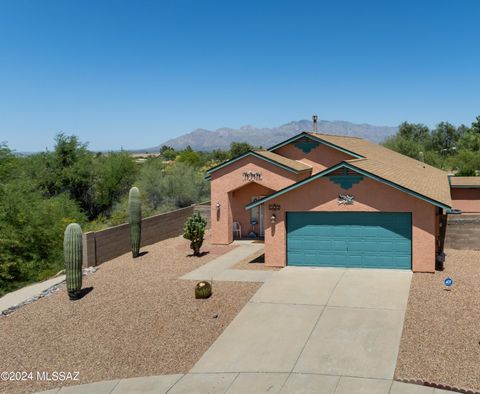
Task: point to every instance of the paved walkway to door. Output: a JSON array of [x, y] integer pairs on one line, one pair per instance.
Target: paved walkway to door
[[221, 268]]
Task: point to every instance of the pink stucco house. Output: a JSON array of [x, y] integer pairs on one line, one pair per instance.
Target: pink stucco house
[[325, 200]]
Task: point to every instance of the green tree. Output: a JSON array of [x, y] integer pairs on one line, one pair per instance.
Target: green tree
[[31, 230], [7, 162], [68, 169], [114, 175], [444, 138], [190, 157], [239, 148], [476, 125], [175, 186], [218, 155], [405, 146], [465, 163], [183, 185], [168, 153], [415, 132], [470, 140]]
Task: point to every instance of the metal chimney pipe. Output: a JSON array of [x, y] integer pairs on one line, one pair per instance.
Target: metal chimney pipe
[[315, 124]]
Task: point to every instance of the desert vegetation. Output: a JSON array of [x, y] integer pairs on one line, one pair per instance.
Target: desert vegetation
[[42, 193], [446, 146]]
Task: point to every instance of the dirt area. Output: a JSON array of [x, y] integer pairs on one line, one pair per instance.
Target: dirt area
[[138, 320], [441, 336], [255, 262]]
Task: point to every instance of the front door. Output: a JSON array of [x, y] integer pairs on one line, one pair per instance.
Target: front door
[[256, 216]]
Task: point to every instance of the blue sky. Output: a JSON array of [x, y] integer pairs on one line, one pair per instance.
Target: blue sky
[[137, 73]]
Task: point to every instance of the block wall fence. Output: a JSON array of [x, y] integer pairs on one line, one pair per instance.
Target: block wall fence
[[463, 232], [104, 245]]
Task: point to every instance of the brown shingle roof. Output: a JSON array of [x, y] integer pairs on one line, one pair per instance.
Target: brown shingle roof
[[294, 164], [402, 170], [465, 181]]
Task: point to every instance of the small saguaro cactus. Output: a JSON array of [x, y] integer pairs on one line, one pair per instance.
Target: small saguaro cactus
[[135, 220], [194, 231], [203, 290], [72, 249]]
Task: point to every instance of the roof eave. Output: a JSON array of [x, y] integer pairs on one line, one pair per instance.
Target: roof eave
[[252, 153]]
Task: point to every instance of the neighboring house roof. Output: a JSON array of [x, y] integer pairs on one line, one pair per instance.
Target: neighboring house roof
[[465, 181], [273, 158]]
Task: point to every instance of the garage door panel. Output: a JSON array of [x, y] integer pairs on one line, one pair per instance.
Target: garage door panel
[[353, 239], [401, 247]]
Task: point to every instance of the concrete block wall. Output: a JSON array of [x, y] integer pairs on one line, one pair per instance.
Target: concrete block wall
[[463, 232], [104, 245]]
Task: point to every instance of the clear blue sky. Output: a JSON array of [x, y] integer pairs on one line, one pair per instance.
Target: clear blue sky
[[136, 73]]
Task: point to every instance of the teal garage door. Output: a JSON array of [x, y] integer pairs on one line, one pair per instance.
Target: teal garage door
[[349, 239]]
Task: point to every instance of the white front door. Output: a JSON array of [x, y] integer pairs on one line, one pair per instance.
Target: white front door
[[257, 216]]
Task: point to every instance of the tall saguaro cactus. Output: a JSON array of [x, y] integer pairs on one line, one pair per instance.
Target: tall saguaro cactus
[[72, 249], [135, 220]]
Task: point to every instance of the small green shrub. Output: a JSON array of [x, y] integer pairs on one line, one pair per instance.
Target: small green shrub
[[203, 290], [194, 231]]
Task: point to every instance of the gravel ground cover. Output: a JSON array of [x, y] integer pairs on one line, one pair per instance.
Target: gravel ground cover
[[441, 336], [138, 320], [255, 262]]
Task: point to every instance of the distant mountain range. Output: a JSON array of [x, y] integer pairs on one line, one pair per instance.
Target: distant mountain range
[[207, 140]]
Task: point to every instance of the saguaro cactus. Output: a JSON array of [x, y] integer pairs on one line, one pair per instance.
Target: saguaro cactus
[[72, 249], [135, 220]]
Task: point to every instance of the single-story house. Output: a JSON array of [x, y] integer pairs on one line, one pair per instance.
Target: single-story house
[[328, 200]]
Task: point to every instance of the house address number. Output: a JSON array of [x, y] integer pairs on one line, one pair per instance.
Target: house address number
[[274, 207]]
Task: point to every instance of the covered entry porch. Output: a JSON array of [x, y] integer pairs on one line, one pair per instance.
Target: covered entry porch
[[248, 223]]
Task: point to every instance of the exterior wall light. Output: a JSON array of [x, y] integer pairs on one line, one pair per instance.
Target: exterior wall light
[[217, 205], [273, 219]]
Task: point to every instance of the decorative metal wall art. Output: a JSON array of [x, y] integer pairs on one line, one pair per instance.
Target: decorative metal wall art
[[252, 176], [345, 199]]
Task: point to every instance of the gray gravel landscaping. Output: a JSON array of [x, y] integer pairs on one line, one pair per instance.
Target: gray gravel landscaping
[[441, 336], [138, 320]]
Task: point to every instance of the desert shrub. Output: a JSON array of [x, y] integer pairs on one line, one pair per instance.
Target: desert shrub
[[194, 231], [172, 186], [31, 233]]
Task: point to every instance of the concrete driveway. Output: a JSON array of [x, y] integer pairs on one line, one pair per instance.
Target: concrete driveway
[[307, 330], [317, 327]]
